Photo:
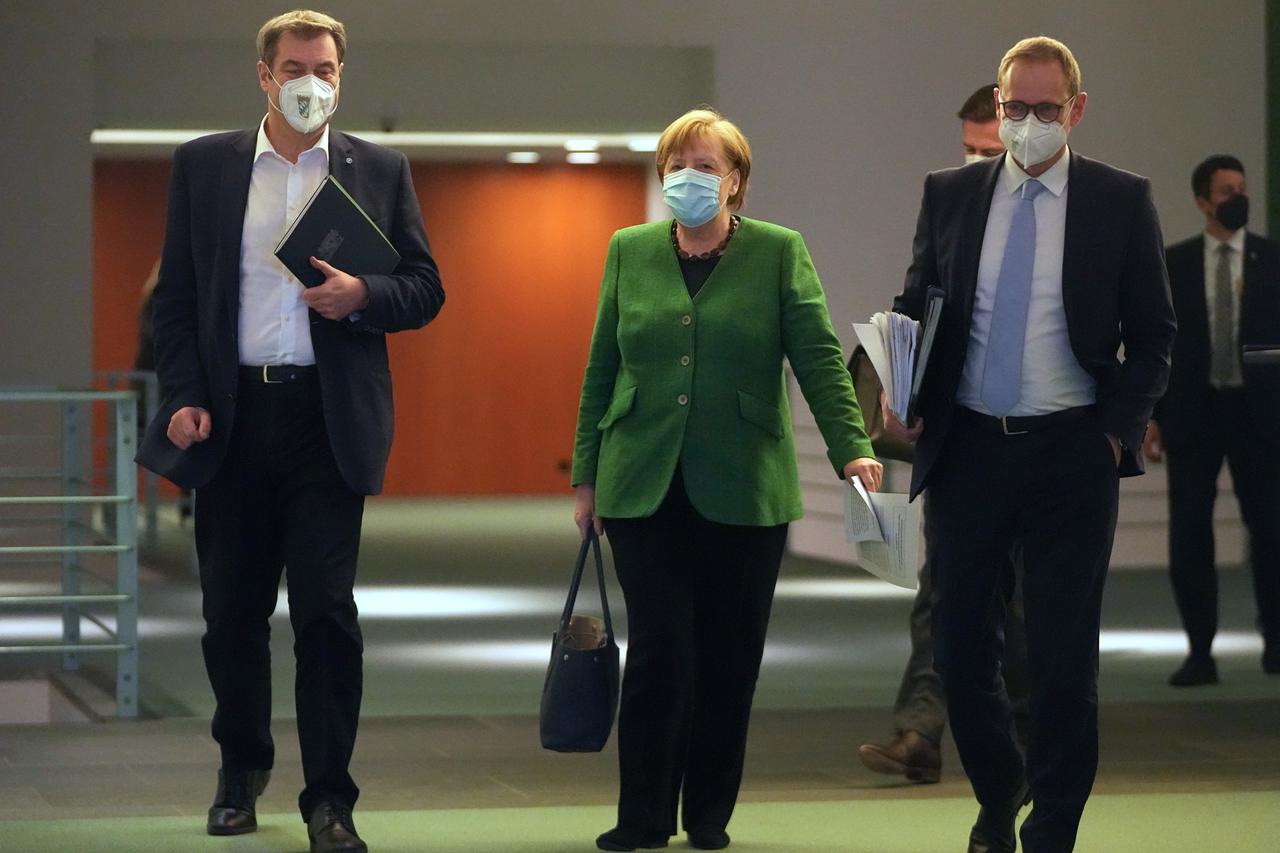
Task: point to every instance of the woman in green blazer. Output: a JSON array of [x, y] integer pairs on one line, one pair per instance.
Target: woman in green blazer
[[684, 456]]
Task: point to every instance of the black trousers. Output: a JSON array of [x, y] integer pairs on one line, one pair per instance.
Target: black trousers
[[279, 502], [1054, 493], [921, 705], [1252, 451], [698, 597]]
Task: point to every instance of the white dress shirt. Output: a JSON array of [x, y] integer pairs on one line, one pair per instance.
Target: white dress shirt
[[1236, 244], [1052, 378], [275, 327]]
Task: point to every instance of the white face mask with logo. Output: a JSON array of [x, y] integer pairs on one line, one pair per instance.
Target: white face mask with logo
[[970, 159], [1032, 141], [306, 102]]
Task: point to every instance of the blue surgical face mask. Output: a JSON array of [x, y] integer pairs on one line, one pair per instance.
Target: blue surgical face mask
[[693, 196]]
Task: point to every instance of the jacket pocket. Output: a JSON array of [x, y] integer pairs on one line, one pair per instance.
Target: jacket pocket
[[764, 415], [622, 403]]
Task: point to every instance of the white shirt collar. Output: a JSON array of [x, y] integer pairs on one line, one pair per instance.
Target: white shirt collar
[[264, 144], [1054, 180], [1236, 242]]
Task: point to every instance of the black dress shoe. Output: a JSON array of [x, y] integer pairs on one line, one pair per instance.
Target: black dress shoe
[[332, 831], [1195, 671], [994, 831], [624, 839], [232, 812], [708, 839]]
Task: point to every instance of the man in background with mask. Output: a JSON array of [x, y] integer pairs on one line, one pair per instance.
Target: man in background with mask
[[980, 126], [277, 411], [1226, 289], [920, 711], [1049, 262]]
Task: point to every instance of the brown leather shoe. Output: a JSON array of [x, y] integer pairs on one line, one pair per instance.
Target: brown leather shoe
[[332, 831], [911, 755], [232, 812]]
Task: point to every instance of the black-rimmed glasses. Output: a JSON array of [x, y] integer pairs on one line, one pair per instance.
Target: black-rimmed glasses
[[1046, 111]]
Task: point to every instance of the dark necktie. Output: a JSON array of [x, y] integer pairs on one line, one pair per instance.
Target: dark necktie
[[1224, 326]]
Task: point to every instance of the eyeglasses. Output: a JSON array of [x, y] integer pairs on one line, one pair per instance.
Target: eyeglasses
[[1046, 112]]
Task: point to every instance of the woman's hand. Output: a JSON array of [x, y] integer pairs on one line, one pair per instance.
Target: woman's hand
[[866, 469], [584, 509]]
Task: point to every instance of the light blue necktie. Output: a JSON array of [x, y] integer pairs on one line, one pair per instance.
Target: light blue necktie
[[1002, 374]]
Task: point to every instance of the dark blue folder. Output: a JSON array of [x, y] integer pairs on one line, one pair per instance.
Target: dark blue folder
[[333, 228]]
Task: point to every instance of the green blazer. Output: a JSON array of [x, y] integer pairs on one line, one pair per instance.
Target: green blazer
[[699, 381]]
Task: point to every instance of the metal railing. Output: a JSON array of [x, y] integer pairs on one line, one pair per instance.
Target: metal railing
[[79, 538], [119, 380]]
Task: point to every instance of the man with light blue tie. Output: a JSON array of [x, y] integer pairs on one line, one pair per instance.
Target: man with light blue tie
[[1049, 262]]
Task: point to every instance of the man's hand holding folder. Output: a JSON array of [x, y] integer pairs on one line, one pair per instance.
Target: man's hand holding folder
[[332, 227], [340, 295]]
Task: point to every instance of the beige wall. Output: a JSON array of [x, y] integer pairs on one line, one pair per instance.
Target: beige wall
[[847, 105]]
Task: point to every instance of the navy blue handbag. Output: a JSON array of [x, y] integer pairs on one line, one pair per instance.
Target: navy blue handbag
[[580, 694]]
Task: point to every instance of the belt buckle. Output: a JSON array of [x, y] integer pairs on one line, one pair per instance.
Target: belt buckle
[[1004, 427], [267, 380]]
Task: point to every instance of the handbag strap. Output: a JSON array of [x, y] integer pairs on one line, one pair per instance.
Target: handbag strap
[[590, 542]]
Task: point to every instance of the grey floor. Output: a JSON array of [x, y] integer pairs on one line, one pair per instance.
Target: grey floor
[[458, 602]]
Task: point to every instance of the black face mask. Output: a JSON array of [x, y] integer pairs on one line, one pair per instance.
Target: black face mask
[[1234, 212]]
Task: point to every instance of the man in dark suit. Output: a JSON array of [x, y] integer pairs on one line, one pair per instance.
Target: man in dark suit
[[277, 410], [1226, 289], [1049, 262]]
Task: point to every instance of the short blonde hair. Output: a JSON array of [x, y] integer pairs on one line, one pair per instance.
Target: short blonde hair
[[304, 23], [1042, 49], [706, 123]]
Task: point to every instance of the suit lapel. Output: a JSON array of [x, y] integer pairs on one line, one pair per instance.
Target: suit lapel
[[233, 195], [1196, 297], [974, 232], [1075, 238], [342, 163], [1253, 281]]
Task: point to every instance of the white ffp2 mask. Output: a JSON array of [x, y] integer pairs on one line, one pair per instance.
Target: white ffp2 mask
[[306, 102], [1032, 141]]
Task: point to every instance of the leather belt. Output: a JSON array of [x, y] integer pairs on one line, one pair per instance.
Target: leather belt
[[276, 374], [1024, 425]]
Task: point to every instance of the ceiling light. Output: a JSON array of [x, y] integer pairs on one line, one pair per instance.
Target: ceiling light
[[408, 139], [643, 143], [523, 157], [581, 157]]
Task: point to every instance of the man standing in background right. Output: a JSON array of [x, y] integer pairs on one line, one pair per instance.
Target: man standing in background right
[[1226, 289]]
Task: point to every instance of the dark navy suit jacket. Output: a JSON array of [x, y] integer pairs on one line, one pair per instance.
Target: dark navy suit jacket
[[197, 303], [1115, 290], [1186, 414]]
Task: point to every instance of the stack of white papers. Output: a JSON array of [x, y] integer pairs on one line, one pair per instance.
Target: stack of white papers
[[890, 341], [886, 529]]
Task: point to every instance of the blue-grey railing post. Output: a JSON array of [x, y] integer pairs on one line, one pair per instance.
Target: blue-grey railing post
[[151, 481], [126, 534], [76, 429]]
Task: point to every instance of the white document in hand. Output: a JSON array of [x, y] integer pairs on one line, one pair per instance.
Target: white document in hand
[[886, 529], [890, 342]]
